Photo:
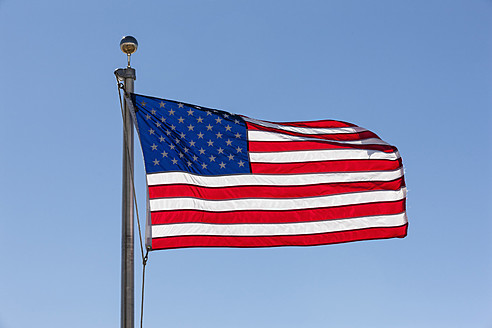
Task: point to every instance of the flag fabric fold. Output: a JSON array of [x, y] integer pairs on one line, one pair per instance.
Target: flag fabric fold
[[217, 179]]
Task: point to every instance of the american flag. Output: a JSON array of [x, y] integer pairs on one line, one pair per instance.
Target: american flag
[[217, 179]]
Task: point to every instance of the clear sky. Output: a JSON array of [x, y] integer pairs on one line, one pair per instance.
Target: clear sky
[[418, 73]]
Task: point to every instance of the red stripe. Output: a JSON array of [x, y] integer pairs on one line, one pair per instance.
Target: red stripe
[[273, 241], [220, 193], [335, 137], [265, 146], [305, 215], [362, 165], [316, 124]]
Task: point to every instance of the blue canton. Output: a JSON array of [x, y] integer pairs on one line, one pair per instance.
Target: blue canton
[[182, 137]]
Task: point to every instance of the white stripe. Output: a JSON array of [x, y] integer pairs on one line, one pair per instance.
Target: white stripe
[[169, 178], [301, 228], [320, 155], [255, 135], [296, 129], [276, 204]]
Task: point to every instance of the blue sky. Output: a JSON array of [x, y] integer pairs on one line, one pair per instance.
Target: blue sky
[[418, 73]]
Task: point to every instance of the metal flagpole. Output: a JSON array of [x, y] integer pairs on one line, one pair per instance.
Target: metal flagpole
[[128, 45]]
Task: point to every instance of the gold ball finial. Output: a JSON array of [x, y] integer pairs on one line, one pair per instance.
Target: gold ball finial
[[128, 44]]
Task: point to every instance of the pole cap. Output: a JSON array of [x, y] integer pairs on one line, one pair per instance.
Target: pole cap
[[128, 44]]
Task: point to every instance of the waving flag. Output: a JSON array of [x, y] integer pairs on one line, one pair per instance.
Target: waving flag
[[217, 179]]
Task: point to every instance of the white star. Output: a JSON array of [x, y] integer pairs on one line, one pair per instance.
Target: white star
[[161, 139], [143, 103], [200, 135], [202, 151], [189, 163], [220, 150], [219, 135], [212, 158], [168, 132], [158, 124], [218, 120], [237, 135], [238, 149], [204, 165], [153, 112], [236, 121], [181, 120], [164, 154], [192, 143], [190, 127], [210, 143], [199, 120], [176, 140], [228, 127], [231, 157], [186, 149], [195, 157], [229, 142], [182, 135], [222, 165], [156, 162], [154, 147], [181, 155], [147, 117], [209, 127], [180, 105], [241, 163], [175, 161], [208, 113], [162, 104], [172, 127], [190, 112], [171, 112], [172, 146], [226, 116], [151, 131], [163, 120]]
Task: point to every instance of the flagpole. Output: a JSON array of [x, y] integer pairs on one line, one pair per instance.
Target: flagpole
[[128, 45]]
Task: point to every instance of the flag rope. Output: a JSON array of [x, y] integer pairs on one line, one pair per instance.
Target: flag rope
[[144, 262], [146, 256], [120, 87]]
